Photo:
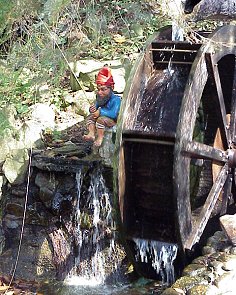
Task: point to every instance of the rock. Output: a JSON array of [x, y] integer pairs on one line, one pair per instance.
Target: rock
[[15, 209], [173, 291], [11, 221], [44, 265], [6, 144], [82, 101], [107, 149], [228, 225], [19, 191], [68, 149], [16, 166], [230, 263], [44, 180], [208, 250], [47, 186], [186, 282], [233, 250], [220, 235], [217, 266], [43, 91], [216, 9], [86, 70], [43, 114], [226, 282], [203, 289], [202, 260], [31, 134], [193, 270], [2, 183]]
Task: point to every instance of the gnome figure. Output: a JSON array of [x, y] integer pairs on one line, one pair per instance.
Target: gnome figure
[[104, 111]]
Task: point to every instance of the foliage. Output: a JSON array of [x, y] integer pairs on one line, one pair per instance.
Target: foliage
[[38, 38]]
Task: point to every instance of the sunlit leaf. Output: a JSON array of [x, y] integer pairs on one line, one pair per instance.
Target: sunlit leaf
[[119, 38]]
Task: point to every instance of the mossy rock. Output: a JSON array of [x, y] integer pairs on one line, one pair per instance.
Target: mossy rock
[[186, 282], [194, 269], [203, 289]]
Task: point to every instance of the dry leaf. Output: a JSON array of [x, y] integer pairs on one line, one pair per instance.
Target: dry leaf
[[119, 38]]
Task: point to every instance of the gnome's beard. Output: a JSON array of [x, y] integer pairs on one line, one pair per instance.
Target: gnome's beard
[[102, 101]]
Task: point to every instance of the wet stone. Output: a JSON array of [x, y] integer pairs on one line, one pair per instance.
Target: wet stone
[[230, 264], [233, 250], [217, 266], [228, 224], [212, 241], [171, 291], [186, 282], [219, 235], [208, 250], [15, 209], [227, 248], [11, 221], [203, 289], [202, 260], [217, 242], [194, 269]]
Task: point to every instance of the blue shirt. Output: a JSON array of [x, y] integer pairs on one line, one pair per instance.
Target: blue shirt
[[111, 108]]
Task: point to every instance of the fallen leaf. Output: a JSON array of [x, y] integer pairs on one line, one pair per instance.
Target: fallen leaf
[[119, 38]]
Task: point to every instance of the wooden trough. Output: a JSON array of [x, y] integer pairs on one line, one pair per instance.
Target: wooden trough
[[177, 139]]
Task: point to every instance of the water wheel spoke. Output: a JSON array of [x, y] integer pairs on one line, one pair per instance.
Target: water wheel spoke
[[232, 126], [218, 97], [226, 194], [202, 219], [199, 150]]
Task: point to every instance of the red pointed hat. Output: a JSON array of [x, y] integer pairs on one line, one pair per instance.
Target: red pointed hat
[[104, 77]]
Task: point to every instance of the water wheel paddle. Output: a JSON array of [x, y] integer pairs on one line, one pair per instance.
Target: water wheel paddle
[[177, 140]]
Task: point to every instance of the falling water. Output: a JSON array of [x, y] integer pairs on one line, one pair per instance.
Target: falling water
[[95, 241], [154, 113], [162, 256]]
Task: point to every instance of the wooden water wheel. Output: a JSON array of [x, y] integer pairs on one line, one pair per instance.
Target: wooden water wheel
[[177, 143]]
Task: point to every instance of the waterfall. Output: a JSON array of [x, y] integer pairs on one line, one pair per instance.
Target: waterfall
[[161, 255], [94, 230]]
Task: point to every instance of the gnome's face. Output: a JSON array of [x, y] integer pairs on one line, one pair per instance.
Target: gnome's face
[[103, 91]]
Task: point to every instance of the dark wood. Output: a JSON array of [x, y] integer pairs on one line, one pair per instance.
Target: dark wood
[[232, 127], [167, 134], [227, 191], [218, 98], [199, 150], [201, 220]]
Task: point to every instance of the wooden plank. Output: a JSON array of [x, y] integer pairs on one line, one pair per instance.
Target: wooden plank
[[226, 194], [218, 97], [199, 150], [149, 140], [232, 126], [203, 217]]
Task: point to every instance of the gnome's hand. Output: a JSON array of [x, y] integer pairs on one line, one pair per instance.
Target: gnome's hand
[[92, 109], [96, 114]]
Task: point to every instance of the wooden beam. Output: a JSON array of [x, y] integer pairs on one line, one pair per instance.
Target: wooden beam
[[199, 150], [232, 126], [201, 220], [218, 98]]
